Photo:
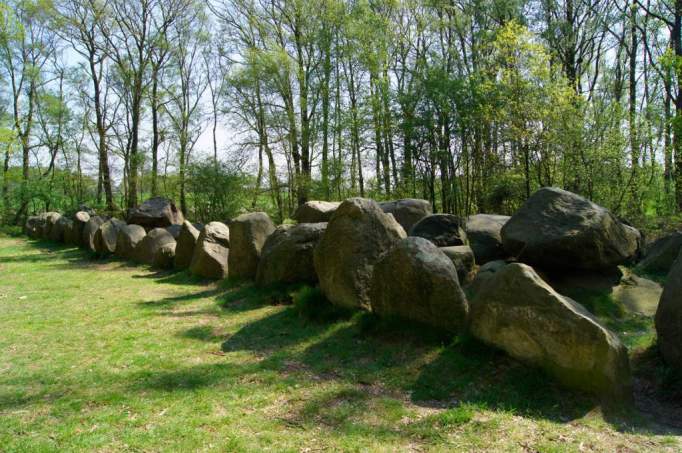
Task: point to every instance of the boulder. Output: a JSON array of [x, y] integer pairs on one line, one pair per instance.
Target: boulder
[[444, 230], [669, 318], [75, 236], [51, 219], [463, 258], [165, 255], [485, 238], [248, 233], [484, 275], [184, 250], [87, 210], [89, 231], [157, 212], [635, 238], [418, 282], [174, 230], [660, 255], [559, 229], [315, 211], [519, 313], [407, 211], [146, 249], [357, 235], [60, 229], [107, 235], [129, 236], [211, 251], [287, 255], [35, 225]]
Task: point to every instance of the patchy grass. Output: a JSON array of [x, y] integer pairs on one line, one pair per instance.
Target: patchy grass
[[100, 355]]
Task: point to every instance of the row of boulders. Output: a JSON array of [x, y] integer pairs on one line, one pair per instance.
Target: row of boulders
[[362, 256]]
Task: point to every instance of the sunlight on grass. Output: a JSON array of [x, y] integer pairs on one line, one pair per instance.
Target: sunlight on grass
[[101, 355]]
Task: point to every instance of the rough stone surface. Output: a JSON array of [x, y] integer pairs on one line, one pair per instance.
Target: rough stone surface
[[559, 229], [417, 282], [661, 254], [157, 212], [89, 231], [75, 236], [51, 219], [211, 251], [357, 235], [485, 238], [128, 238], [518, 312], [287, 255], [61, 229], [107, 235], [315, 211], [407, 211], [248, 233], [669, 318], [463, 258], [484, 274], [146, 249], [174, 230], [35, 226], [165, 255], [444, 230], [187, 239]]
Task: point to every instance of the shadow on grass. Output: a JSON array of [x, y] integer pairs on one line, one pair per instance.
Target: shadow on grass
[[360, 353], [187, 379]]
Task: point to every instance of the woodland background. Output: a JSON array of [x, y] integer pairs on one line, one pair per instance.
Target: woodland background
[[232, 105]]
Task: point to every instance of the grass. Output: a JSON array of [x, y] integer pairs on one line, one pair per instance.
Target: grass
[[100, 355]]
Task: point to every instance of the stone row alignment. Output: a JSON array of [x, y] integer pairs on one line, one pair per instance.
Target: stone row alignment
[[450, 273]]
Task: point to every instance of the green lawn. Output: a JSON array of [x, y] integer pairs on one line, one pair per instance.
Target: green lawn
[[100, 355]]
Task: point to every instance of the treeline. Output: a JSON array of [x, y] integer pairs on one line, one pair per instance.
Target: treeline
[[471, 104]]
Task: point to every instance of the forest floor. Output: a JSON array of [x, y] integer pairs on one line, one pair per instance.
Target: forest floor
[[105, 356]]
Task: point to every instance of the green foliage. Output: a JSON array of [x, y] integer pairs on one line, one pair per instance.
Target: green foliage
[[216, 192]]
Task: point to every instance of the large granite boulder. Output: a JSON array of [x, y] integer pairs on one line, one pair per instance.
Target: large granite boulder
[[211, 251], [248, 233], [61, 229], [483, 276], [407, 211], [416, 281], [187, 240], [35, 226], [146, 249], [559, 229], [444, 230], [357, 235], [287, 255], [174, 230], [463, 258], [157, 212], [129, 236], [75, 235], [51, 219], [519, 313], [107, 235], [89, 231], [315, 211], [165, 256], [669, 317], [484, 232], [660, 255]]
